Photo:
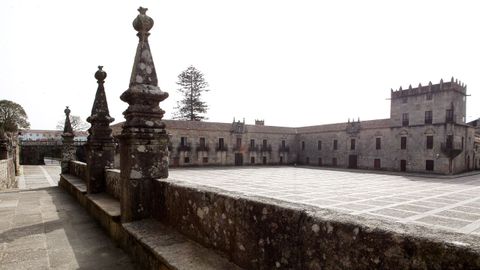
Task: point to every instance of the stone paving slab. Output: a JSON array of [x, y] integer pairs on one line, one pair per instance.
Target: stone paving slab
[[451, 203], [47, 229], [38, 176]]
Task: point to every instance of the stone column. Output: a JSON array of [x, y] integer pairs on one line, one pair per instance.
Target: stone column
[[68, 148], [144, 141], [100, 145]]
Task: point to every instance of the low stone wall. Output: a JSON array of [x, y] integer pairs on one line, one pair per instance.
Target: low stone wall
[[258, 233], [7, 174], [78, 169], [112, 178]]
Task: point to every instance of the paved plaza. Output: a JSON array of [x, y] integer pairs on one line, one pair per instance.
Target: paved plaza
[[43, 227], [446, 203]]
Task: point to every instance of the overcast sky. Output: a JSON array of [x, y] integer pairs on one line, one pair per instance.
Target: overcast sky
[[291, 63]]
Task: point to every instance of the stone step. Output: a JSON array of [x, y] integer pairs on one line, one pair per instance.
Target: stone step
[[106, 210], [75, 181], [107, 203], [75, 186], [157, 246]]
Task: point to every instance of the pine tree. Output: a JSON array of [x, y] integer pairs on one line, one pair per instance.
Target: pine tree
[[192, 85]]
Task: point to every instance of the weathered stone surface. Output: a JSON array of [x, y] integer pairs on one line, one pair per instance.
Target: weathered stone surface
[[156, 246], [268, 234], [112, 179], [100, 144], [7, 174], [79, 169], [143, 142]]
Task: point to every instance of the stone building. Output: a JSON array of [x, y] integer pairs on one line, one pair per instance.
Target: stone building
[[426, 132]]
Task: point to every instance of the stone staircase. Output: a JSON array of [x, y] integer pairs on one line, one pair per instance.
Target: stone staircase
[[150, 243]]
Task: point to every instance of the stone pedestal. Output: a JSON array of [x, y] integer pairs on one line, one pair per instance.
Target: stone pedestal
[[144, 158]]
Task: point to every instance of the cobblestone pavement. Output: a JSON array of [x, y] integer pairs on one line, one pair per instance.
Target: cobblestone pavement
[[452, 204], [45, 228]]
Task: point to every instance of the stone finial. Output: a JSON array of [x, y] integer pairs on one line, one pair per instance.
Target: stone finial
[[67, 128], [100, 112], [143, 95], [68, 149], [100, 145], [410, 87], [144, 140], [100, 75], [143, 23], [452, 79], [400, 89]]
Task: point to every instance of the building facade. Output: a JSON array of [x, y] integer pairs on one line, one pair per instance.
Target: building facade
[[49, 135], [426, 132]]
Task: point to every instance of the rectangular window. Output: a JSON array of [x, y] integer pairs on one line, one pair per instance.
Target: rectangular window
[[376, 163], [252, 160], [221, 143], [352, 144], [202, 142], [428, 117], [183, 141], [449, 115], [303, 146], [252, 144], [429, 96], [281, 160], [319, 145], [405, 121], [429, 142], [429, 165], [264, 160], [186, 160], [378, 143], [239, 142], [319, 161], [307, 160], [449, 141], [205, 159], [264, 144], [403, 143], [462, 142], [283, 143], [404, 100], [335, 144], [334, 162]]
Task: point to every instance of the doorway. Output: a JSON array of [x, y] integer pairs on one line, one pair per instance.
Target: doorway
[[238, 159], [403, 165], [352, 161]]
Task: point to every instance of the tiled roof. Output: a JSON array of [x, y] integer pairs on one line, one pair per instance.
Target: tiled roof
[[213, 126], [369, 124], [227, 127]]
